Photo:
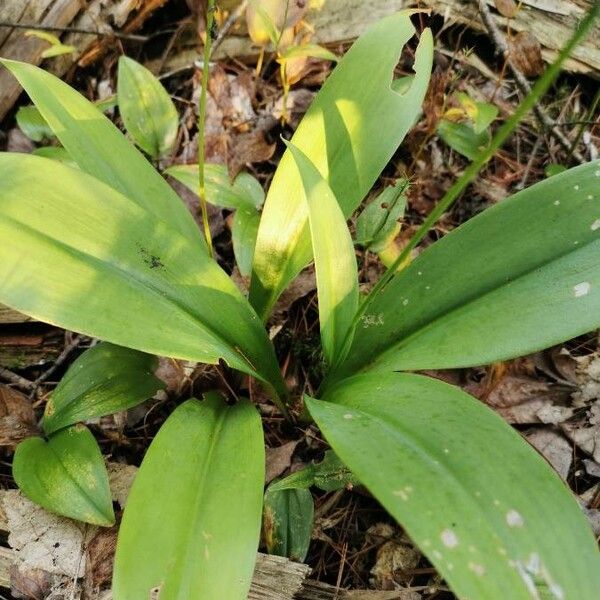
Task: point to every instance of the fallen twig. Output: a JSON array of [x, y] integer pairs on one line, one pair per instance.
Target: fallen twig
[[521, 81], [19, 382], [132, 37]]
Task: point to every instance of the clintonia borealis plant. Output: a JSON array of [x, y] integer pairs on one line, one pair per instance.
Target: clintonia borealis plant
[[105, 247]]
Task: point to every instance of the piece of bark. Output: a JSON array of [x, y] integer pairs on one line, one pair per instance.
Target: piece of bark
[[10, 316], [16, 45]]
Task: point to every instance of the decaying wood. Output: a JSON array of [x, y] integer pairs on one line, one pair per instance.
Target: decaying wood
[[10, 316], [91, 15], [275, 578], [551, 21]]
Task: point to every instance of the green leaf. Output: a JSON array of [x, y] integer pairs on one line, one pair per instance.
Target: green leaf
[[55, 153], [104, 380], [307, 50], [57, 48], [377, 225], [100, 149], [554, 169], [462, 138], [495, 288], [244, 192], [349, 133], [486, 113], [146, 108], [86, 258], [32, 124], [335, 261], [192, 522], [288, 517], [329, 475], [66, 475], [484, 507], [243, 234]]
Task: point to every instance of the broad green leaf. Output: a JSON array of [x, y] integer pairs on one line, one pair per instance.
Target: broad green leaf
[[100, 149], [192, 522], [288, 516], [335, 261], [329, 475], [32, 124], [55, 153], [146, 108], [307, 50], [104, 380], [485, 508], [350, 132], [519, 277], [66, 475], [86, 258], [377, 225], [244, 192], [463, 138], [243, 234]]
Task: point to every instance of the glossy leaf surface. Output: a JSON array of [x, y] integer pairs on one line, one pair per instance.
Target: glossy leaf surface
[[244, 230], [88, 259], [104, 380], [192, 522], [485, 508], [66, 475], [100, 149], [521, 276], [244, 192], [335, 261], [146, 108], [377, 225], [329, 475], [350, 132]]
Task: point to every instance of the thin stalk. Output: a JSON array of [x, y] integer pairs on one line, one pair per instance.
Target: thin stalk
[[471, 172], [210, 17]]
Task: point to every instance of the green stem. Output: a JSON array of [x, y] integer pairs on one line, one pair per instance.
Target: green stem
[[210, 16], [471, 172]]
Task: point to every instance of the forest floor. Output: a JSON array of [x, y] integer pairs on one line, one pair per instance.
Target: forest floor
[[552, 397]]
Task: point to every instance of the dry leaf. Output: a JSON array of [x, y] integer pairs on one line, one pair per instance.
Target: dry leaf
[[17, 418], [507, 8], [120, 479], [42, 540], [394, 557], [526, 54], [278, 460], [100, 558], [248, 148], [554, 448]]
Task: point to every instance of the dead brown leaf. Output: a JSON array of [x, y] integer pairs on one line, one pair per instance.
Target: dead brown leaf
[[394, 559], [17, 418], [554, 448], [279, 459], [526, 54], [507, 8], [100, 558], [248, 148]]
